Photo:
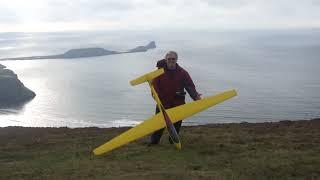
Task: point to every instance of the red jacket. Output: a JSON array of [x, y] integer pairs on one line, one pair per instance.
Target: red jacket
[[170, 86]]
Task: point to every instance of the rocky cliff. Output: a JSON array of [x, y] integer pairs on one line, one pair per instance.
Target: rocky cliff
[[12, 90]]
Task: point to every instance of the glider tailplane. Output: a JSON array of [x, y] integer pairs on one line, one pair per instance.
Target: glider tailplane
[[147, 77]]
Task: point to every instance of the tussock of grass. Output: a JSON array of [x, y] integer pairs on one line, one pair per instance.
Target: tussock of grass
[[283, 150]]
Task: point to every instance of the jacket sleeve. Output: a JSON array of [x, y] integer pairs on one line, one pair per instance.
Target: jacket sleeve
[[155, 82], [189, 86]]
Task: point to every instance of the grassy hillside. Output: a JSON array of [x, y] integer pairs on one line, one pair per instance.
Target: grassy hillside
[[284, 150]]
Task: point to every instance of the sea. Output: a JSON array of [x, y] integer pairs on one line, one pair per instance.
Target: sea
[[275, 72]]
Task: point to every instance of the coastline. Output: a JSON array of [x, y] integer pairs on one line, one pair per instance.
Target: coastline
[[278, 150]]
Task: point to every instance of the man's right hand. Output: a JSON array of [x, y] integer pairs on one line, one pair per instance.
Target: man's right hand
[[198, 97]]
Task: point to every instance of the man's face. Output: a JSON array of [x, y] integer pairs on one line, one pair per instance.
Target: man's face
[[171, 61]]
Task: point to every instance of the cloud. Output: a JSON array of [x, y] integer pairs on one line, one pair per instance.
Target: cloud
[[73, 10], [7, 16], [227, 4], [159, 14]]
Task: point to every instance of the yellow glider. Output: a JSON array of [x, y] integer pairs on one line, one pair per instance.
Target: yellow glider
[[157, 122]]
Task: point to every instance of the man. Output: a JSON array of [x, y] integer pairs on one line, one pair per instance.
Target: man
[[170, 88]]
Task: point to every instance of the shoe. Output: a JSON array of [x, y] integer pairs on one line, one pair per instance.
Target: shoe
[[170, 141]]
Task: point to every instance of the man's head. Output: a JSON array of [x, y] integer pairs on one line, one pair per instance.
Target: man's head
[[171, 60]]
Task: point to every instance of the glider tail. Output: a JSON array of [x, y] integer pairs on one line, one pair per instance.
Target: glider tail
[[147, 77]]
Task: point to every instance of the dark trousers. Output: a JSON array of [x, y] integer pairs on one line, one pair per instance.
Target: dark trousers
[[156, 136]]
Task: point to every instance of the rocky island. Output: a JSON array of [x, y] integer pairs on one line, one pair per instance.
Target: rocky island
[[86, 52], [151, 45], [12, 90]]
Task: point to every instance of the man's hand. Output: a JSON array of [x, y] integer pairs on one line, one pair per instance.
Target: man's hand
[[198, 97]]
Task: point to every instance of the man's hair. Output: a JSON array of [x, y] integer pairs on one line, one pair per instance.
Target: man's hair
[[172, 52]]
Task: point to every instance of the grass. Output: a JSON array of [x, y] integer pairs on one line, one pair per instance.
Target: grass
[[283, 150]]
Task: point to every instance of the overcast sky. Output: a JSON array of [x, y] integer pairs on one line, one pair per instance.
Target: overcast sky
[[66, 15]]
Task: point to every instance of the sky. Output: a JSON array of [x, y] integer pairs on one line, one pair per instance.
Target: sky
[[81, 15]]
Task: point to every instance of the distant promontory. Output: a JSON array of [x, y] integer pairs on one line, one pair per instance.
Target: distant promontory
[[12, 90], [87, 52]]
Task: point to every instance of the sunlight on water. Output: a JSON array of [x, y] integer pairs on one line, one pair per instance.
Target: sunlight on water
[[274, 82]]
